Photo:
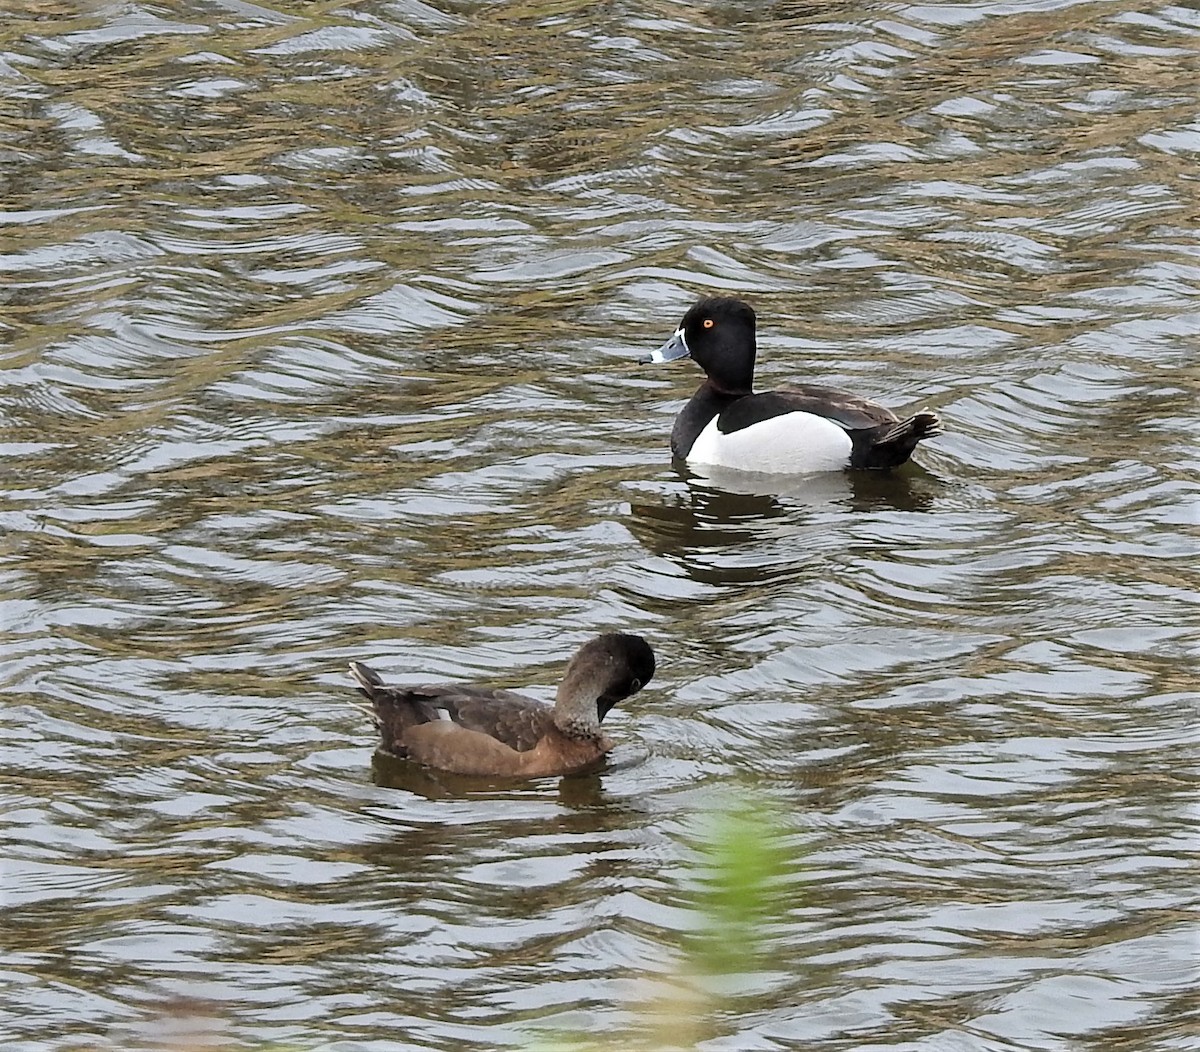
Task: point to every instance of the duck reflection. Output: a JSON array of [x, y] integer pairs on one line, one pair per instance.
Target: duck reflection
[[912, 489], [721, 506], [581, 791], [720, 510]]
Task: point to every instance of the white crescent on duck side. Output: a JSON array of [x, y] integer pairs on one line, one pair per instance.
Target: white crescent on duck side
[[789, 443]]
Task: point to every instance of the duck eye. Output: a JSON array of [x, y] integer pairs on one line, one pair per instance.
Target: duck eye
[[709, 323]]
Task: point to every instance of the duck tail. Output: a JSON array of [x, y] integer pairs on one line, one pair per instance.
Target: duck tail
[[394, 709], [888, 447], [925, 424], [368, 680]]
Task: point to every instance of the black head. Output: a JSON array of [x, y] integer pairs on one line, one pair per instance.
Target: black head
[[718, 334]]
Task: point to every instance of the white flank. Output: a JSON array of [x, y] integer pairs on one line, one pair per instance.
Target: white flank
[[791, 444]]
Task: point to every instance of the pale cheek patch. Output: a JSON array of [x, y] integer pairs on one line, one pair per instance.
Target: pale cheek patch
[[791, 444]]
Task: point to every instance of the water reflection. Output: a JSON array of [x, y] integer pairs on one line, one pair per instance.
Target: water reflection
[[909, 489], [728, 527], [394, 772], [577, 792], [312, 360]]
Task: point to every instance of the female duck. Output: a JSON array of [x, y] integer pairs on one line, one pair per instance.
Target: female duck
[[475, 730], [796, 430]]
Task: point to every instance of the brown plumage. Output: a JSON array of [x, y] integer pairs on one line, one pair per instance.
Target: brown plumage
[[475, 730]]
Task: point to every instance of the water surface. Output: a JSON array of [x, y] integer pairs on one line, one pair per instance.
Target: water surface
[[321, 327]]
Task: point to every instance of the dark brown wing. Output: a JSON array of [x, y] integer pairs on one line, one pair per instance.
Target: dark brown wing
[[842, 407], [846, 410], [512, 719], [517, 721]]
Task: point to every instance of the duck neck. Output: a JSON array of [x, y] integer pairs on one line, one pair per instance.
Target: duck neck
[[575, 711], [734, 375]]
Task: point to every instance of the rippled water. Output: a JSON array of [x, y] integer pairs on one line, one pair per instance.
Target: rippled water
[[321, 326]]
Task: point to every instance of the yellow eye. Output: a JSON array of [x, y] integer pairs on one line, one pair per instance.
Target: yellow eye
[[709, 323]]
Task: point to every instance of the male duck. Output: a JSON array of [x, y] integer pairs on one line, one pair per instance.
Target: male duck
[[796, 430], [479, 731]]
